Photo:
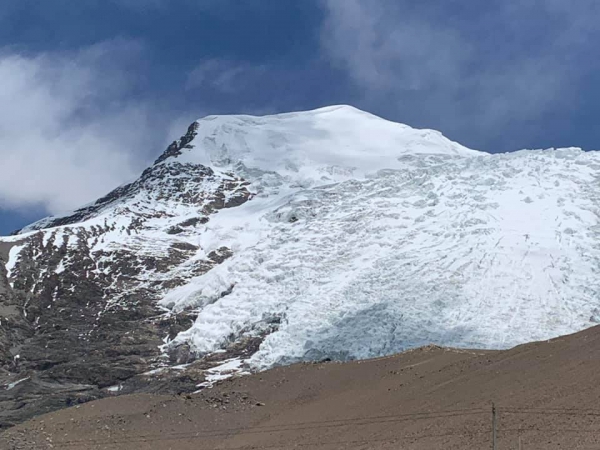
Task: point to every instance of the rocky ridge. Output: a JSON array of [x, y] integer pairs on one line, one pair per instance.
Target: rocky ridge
[[79, 313]]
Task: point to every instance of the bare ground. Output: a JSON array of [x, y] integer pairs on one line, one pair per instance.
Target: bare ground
[[547, 396]]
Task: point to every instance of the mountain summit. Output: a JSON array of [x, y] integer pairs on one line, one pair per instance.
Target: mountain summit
[[258, 241]]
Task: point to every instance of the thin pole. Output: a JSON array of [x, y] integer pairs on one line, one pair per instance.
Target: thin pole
[[494, 446], [520, 444]]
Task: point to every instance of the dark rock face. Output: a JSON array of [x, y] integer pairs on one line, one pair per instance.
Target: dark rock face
[[176, 146], [79, 317], [14, 327]]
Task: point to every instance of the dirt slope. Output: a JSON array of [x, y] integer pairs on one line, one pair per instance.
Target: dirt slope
[[547, 395]]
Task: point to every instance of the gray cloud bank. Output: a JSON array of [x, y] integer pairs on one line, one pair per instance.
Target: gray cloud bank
[[475, 69], [68, 131]]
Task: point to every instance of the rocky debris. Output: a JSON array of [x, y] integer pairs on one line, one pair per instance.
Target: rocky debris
[[77, 332], [79, 318], [429, 398], [14, 327], [172, 182], [186, 374], [220, 255], [36, 395], [187, 225], [71, 341]]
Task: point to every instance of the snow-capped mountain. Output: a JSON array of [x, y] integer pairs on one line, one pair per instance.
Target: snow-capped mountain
[[330, 233]]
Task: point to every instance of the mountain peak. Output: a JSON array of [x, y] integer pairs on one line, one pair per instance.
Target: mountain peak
[[308, 147]]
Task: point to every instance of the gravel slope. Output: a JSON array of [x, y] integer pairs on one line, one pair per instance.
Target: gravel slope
[[428, 398]]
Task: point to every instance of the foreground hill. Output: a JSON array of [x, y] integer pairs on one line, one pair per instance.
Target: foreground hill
[[295, 237], [546, 395]]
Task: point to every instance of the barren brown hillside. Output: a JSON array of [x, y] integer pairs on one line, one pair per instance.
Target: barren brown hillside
[[547, 396]]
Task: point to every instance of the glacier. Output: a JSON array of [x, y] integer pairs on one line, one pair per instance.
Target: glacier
[[363, 237]]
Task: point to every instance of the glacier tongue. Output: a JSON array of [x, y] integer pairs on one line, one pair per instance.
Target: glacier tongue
[[467, 249]]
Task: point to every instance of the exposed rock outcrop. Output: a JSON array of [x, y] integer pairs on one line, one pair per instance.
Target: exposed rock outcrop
[[79, 318]]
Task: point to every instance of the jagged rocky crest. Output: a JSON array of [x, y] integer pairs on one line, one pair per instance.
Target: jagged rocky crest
[[156, 176], [176, 147]]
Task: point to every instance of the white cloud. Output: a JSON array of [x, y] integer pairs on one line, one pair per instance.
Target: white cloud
[[66, 134], [71, 131], [381, 51], [435, 73]]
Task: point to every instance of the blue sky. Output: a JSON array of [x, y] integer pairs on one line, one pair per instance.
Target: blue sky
[[92, 91]]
